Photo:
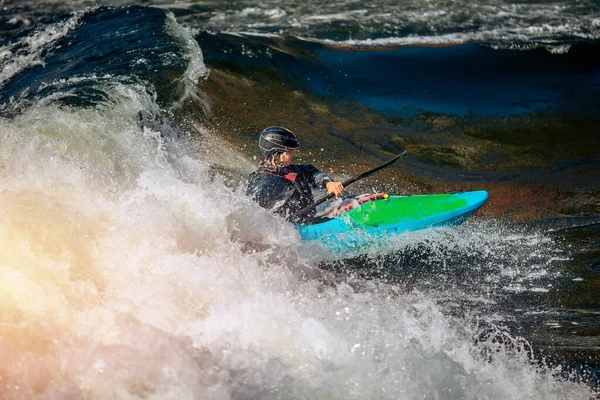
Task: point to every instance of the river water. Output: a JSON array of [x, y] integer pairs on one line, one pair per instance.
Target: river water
[[132, 266]]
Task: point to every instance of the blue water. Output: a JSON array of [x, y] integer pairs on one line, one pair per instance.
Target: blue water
[[461, 80], [400, 82], [101, 48]]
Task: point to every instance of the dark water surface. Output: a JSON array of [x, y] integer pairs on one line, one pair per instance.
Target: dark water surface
[[128, 132]]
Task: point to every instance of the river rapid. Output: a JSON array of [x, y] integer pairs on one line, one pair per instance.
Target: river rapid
[[132, 265]]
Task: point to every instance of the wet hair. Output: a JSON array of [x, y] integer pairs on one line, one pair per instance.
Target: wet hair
[[272, 161]]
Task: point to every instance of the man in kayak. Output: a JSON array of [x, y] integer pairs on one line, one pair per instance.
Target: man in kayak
[[284, 187]]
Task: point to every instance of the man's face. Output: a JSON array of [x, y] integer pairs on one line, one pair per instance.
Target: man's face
[[287, 157]]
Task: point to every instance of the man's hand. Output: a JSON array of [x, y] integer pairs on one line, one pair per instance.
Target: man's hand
[[335, 187]]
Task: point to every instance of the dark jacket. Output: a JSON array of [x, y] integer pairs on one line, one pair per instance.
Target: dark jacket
[[287, 190]]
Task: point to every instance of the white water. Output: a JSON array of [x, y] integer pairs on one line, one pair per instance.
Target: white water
[[126, 274], [130, 269], [500, 23], [27, 51]]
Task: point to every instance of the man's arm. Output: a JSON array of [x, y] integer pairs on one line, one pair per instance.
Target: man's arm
[[320, 179]]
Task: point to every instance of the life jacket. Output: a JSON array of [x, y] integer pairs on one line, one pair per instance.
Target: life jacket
[[290, 176], [284, 191]]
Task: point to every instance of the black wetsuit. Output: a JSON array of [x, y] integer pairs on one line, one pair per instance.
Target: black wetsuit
[[287, 190]]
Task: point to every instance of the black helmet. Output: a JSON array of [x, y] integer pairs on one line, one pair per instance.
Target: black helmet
[[276, 138]]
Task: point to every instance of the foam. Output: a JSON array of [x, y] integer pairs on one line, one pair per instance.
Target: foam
[[135, 278], [502, 25], [132, 269], [29, 50], [196, 69]]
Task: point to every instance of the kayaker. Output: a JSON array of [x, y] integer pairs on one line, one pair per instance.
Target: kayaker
[[281, 186]]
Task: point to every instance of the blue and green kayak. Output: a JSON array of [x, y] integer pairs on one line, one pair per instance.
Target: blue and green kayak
[[369, 223]]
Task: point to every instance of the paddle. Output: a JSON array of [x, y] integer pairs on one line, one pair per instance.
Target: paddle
[[349, 182]]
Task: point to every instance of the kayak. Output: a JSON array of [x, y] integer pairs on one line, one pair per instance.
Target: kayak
[[373, 221]]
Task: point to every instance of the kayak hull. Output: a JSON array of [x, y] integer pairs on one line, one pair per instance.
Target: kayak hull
[[371, 222]]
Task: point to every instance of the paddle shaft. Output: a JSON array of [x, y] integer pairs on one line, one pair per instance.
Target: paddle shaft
[[349, 182]]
